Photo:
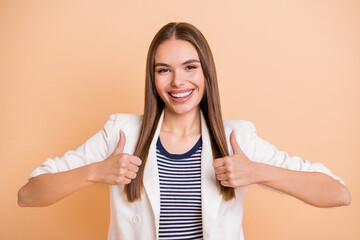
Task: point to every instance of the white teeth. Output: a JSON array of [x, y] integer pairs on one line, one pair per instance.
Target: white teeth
[[180, 95]]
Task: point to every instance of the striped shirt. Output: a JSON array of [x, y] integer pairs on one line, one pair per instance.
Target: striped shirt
[[180, 193]]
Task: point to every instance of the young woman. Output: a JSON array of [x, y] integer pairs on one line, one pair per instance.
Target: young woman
[[180, 171]]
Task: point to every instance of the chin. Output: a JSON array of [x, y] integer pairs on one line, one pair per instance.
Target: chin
[[183, 109]]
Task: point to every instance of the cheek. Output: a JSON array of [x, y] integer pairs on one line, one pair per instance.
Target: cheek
[[156, 83], [197, 78], [200, 81], [202, 86], [160, 86]]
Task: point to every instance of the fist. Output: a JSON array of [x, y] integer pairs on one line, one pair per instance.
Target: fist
[[236, 170], [119, 168]]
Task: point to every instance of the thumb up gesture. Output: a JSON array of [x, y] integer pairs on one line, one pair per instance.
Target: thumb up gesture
[[236, 170], [118, 168]]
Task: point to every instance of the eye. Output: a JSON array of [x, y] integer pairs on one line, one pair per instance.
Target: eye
[[189, 67], [161, 70]]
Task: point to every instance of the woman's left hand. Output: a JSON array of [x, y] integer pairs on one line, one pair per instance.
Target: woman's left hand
[[236, 170]]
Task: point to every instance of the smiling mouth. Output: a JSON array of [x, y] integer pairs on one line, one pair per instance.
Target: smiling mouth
[[181, 94]]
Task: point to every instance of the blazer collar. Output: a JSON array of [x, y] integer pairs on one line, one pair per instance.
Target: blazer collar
[[210, 193]]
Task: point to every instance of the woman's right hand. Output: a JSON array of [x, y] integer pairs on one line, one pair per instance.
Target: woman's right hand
[[119, 168], [46, 189]]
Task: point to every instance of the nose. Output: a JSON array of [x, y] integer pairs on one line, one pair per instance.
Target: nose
[[177, 79]]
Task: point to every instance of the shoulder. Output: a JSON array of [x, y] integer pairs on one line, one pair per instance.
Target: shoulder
[[239, 125], [245, 130], [130, 124], [125, 118], [123, 121]]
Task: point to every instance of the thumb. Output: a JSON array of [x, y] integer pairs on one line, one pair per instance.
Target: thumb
[[120, 147], [235, 146]]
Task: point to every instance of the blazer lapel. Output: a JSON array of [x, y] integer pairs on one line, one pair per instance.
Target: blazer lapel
[[210, 193], [151, 176]]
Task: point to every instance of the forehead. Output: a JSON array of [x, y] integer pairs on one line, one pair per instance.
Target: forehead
[[175, 51]]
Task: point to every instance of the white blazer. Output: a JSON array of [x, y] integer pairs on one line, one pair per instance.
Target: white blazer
[[140, 220]]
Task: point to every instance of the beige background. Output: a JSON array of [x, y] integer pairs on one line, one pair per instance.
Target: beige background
[[290, 67]]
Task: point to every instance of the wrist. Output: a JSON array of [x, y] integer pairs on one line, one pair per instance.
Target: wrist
[[261, 173], [91, 173]]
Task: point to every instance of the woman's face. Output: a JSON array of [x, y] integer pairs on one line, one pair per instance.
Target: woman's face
[[179, 78]]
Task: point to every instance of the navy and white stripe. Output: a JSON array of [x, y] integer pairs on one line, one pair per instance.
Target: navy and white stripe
[[180, 193]]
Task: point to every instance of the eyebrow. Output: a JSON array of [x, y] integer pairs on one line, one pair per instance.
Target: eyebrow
[[184, 63]]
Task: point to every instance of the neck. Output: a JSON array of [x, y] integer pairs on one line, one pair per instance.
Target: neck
[[182, 124]]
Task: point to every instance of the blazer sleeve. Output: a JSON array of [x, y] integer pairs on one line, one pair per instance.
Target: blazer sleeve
[[93, 150], [260, 150]]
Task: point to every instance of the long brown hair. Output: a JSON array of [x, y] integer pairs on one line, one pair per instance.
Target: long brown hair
[[210, 103]]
